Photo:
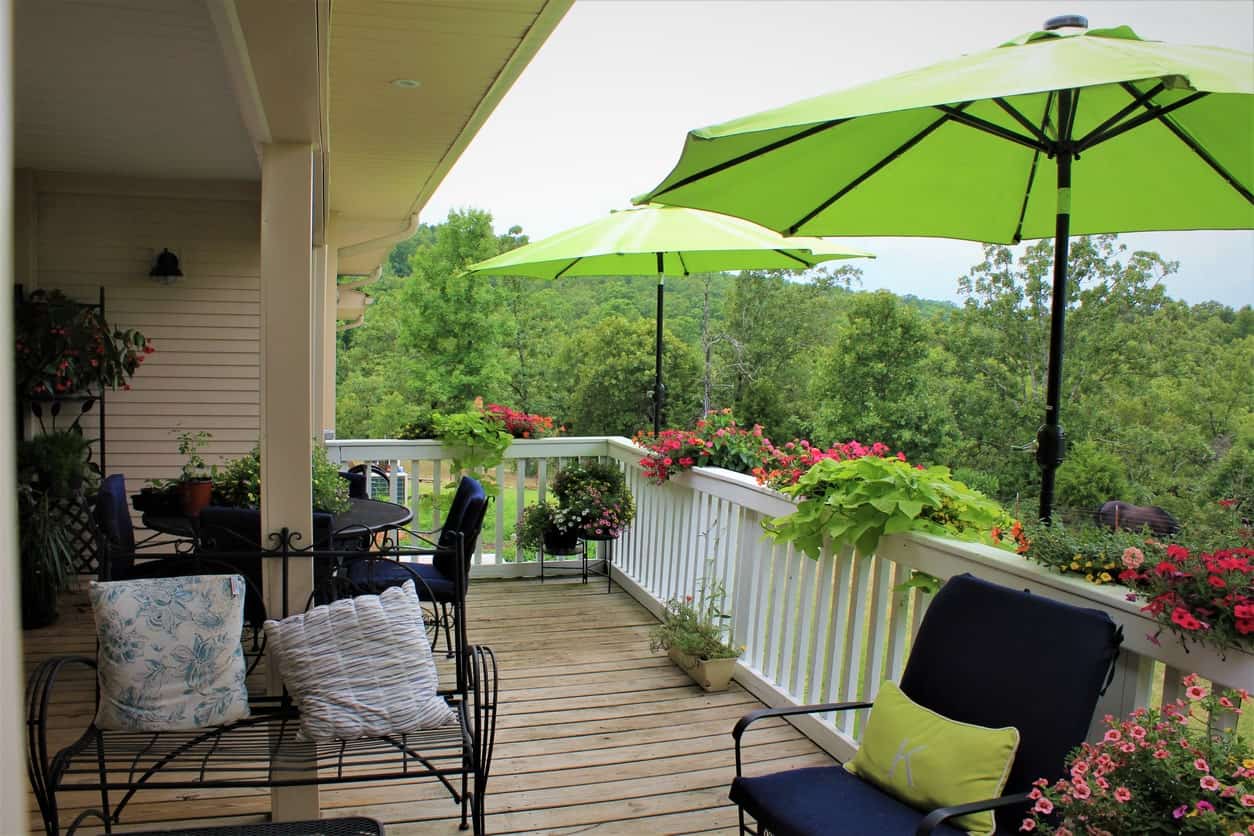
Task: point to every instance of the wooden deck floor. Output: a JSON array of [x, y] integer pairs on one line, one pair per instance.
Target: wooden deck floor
[[596, 734]]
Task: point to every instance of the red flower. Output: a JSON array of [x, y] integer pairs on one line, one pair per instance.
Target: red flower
[[1183, 618]]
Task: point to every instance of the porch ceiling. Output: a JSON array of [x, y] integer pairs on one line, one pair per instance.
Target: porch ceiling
[[186, 89], [391, 146], [126, 87]]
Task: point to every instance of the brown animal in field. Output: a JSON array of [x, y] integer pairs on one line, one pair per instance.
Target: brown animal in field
[[1122, 515]]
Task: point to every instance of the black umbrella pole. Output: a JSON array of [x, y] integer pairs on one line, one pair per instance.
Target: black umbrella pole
[[1051, 441], [659, 391]]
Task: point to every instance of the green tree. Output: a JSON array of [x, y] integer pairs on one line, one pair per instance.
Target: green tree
[[875, 382], [609, 369]]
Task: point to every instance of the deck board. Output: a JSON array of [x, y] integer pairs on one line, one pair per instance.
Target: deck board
[[595, 733]]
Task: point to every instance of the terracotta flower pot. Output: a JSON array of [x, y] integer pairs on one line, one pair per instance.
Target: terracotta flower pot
[[195, 495], [710, 674]]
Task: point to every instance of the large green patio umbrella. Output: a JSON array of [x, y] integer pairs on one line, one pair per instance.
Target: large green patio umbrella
[[662, 241], [1052, 133]]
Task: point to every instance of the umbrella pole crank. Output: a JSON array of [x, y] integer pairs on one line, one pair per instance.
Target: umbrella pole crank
[[1051, 441]]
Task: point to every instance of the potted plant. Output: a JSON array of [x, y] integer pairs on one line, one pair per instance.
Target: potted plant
[[195, 484], [238, 482], [47, 555], [63, 347], [58, 462], [596, 496], [694, 635], [1181, 769], [549, 526]]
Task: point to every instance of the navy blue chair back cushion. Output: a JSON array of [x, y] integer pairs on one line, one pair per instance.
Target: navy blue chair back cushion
[[465, 517], [114, 519], [994, 656], [356, 484]]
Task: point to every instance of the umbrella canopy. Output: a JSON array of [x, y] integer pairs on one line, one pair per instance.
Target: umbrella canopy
[[985, 147], [666, 241]]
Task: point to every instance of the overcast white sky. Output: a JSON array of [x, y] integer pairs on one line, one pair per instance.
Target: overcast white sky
[[601, 112]]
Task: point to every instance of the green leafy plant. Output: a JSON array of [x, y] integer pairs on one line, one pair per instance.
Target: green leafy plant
[[697, 627], [58, 462], [544, 518], [47, 554], [238, 482], [1093, 551], [477, 441], [855, 502], [63, 347], [190, 445]]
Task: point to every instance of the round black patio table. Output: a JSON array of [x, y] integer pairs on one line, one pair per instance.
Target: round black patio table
[[363, 515]]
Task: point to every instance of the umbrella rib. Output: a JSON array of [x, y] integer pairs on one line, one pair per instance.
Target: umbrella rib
[[989, 127], [757, 152], [1138, 100], [1039, 133], [1161, 115], [1036, 158], [862, 178], [682, 265], [1152, 112], [562, 272], [797, 259]]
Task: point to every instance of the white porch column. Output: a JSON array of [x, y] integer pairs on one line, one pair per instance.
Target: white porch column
[[287, 285], [330, 339], [13, 815]]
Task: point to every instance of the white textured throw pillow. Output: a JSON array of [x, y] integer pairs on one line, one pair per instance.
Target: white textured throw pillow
[[170, 655], [360, 667]]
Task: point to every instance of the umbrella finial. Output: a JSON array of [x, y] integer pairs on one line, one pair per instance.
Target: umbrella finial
[[1067, 22]]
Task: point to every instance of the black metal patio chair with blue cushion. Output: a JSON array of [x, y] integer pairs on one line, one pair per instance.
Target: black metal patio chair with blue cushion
[[116, 543], [444, 579], [985, 656]]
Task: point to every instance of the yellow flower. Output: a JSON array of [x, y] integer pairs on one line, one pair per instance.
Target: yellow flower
[[1089, 576], [1248, 763], [1105, 577], [1075, 567]]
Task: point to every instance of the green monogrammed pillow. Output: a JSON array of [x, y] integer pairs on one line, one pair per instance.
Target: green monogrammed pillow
[[930, 761]]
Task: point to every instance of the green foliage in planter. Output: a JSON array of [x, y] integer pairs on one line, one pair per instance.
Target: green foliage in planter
[[421, 427], [1090, 550], [190, 445], [57, 462], [63, 347], [238, 482], [696, 627], [45, 543], [477, 441], [855, 502], [596, 495], [542, 517]]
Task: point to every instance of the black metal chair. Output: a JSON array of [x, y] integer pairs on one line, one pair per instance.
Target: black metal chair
[[984, 655], [357, 487], [116, 544], [446, 577]]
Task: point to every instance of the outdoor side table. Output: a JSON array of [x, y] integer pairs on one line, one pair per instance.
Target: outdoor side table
[[355, 826]]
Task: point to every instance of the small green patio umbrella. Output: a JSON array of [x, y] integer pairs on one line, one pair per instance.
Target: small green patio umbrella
[[1051, 133], [666, 241]]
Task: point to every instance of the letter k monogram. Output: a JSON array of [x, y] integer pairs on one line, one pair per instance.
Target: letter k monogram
[[903, 758]]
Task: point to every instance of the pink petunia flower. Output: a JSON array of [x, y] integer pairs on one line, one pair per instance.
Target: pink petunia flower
[[1209, 782], [1028, 824], [1043, 806], [1201, 765], [1123, 795]]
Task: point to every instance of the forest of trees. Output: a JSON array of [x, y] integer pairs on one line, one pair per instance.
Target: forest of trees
[[1158, 395]]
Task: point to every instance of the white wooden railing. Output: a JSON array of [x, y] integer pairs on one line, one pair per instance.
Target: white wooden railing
[[818, 630]]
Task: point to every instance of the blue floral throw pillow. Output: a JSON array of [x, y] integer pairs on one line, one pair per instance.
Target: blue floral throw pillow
[[170, 655]]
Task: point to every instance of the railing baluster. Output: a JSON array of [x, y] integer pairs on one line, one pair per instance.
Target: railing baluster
[[855, 636], [804, 620], [895, 659], [842, 583]]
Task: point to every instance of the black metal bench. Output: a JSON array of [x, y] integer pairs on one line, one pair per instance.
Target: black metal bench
[[263, 750]]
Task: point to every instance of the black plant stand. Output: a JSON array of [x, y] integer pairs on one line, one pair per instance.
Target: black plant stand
[[579, 549], [607, 553]]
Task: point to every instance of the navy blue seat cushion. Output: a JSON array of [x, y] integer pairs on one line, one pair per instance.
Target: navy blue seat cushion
[[378, 574], [823, 800]]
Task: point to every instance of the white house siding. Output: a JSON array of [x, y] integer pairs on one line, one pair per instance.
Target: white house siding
[[92, 232]]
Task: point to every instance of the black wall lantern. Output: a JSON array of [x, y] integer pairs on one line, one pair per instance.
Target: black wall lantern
[[166, 268]]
